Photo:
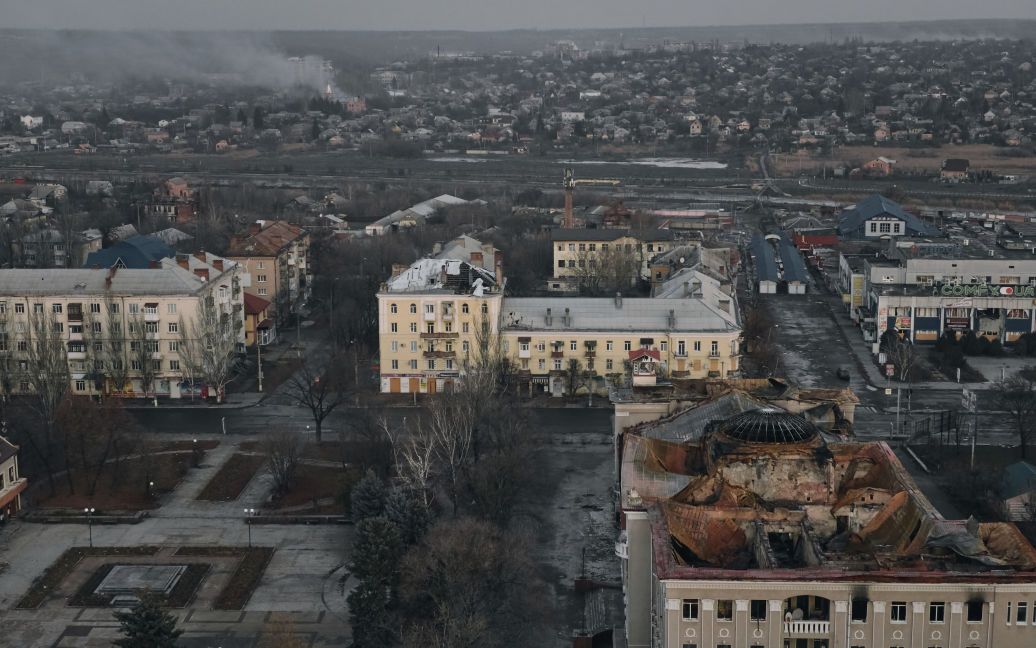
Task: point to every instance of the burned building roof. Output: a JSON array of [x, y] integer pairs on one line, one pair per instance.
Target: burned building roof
[[764, 494]]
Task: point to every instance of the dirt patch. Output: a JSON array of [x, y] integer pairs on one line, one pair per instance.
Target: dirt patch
[[122, 486], [246, 577], [927, 160], [228, 483], [318, 489]]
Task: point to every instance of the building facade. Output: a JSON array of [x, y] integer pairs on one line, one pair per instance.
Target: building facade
[[276, 256], [745, 524], [580, 255], [120, 330], [11, 481]]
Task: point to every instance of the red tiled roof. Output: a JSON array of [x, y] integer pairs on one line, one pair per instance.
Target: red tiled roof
[[267, 241], [255, 305], [640, 353]]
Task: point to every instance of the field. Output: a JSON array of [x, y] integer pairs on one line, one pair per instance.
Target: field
[[985, 157]]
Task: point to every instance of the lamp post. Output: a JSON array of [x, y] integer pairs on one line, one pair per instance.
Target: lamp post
[[150, 488], [89, 512], [249, 512]]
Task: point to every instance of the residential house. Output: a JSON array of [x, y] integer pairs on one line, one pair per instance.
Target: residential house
[[954, 169], [259, 327], [136, 252], [276, 255]]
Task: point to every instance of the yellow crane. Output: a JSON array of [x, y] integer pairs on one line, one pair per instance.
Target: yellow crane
[[570, 184]]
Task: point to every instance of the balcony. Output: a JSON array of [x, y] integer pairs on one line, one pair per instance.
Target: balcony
[[75, 316], [807, 628], [151, 317], [439, 336], [713, 354], [77, 355], [429, 317], [557, 354], [440, 354]]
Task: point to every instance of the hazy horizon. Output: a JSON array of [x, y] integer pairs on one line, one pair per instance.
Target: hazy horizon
[[489, 15]]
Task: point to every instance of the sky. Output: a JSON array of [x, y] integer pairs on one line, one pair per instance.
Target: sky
[[482, 15]]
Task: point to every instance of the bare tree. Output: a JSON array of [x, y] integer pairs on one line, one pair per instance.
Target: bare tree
[[142, 347], [208, 344], [415, 454], [46, 365], [1016, 396], [282, 449], [321, 390], [452, 421], [603, 272]]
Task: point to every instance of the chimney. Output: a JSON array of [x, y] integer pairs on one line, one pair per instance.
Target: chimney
[[724, 305], [550, 318], [397, 269], [218, 264], [111, 275], [200, 256], [568, 317], [476, 259], [183, 260], [255, 227], [202, 273], [618, 300], [436, 248], [671, 320]]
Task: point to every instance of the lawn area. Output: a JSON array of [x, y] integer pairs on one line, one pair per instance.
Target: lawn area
[[316, 483], [226, 485], [120, 487]]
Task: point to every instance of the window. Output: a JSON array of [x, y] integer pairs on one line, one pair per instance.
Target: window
[[757, 610], [1008, 617], [262, 292], [663, 346], [80, 385], [697, 345], [135, 365], [174, 327], [413, 309], [96, 326], [260, 265], [37, 308], [859, 611], [134, 309], [56, 308], [608, 364], [95, 308], [725, 610], [485, 309], [429, 309], [393, 327], [1022, 612], [608, 346], [174, 345], [714, 348], [19, 308], [557, 364], [936, 612], [974, 611], [156, 365], [393, 308], [627, 346], [395, 364], [464, 309], [174, 365], [430, 327], [431, 364], [151, 327], [690, 610], [541, 364], [260, 278], [898, 612], [573, 346], [681, 348], [884, 228], [412, 364], [113, 308], [171, 309], [413, 327], [465, 346], [688, 645]]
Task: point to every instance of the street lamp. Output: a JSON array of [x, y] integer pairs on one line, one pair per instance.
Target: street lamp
[[89, 512], [249, 513], [150, 488]]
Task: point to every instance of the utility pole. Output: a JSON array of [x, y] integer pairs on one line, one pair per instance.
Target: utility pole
[[259, 354]]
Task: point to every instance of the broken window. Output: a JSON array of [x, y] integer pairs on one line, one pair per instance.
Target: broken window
[[758, 610], [725, 610], [859, 611], [898, 612], [974, 611]]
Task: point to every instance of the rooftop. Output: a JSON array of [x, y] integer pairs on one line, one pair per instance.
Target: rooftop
[[579, 234], [268, 241], [628, 315]]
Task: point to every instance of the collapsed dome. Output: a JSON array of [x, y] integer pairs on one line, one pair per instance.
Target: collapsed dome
[[768, 425]]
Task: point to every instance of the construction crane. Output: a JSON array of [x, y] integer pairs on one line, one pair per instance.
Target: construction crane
[[570, 184]]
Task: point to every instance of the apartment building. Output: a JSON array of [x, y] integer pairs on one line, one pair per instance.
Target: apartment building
[[276, 256], [751, 519], [434, 314], [11, 481], [580, 254], [120, 328]]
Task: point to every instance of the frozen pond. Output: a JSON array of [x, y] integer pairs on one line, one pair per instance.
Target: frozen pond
[[661, 163]]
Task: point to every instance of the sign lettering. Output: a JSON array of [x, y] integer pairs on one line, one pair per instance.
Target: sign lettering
[[983, 290]]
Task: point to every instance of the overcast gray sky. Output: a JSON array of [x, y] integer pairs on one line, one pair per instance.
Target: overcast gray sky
[[482, 14]]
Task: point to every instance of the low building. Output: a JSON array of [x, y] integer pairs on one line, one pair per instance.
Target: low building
[[135, 252], [415, 215], [50, 248], [276, 255], [881, 167], [259, 327], [877, 217], [954, 169], [778, 265], [748, 523], [12, 484]]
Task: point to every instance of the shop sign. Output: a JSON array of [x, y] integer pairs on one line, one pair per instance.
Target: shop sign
[[958, 323], [983, 290], [903, 323]]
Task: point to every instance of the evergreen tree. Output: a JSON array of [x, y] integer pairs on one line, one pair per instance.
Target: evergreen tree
[[147, 626], [315, 130], [409, 515], [257, 118], [368, 498], [242, 117], [377, 552], [369, 616]]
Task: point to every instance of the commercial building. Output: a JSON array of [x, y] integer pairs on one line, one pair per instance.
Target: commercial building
[[877, 217], [750, 518], [119, 329], [777, 265], [276, 255], [923, 288]]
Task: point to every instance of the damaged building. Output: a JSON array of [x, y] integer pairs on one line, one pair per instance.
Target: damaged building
[[750, 518]]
